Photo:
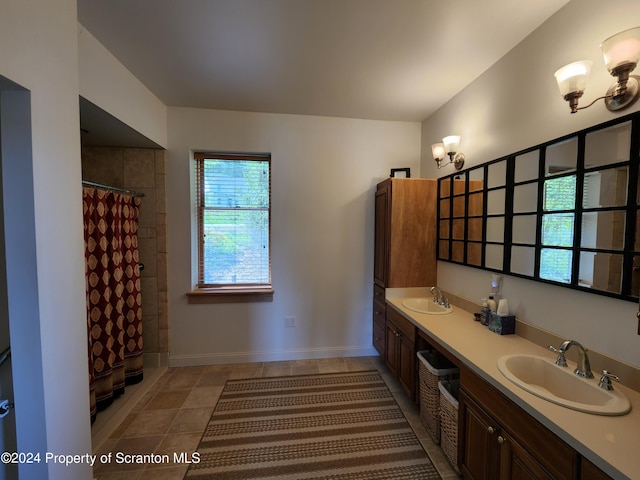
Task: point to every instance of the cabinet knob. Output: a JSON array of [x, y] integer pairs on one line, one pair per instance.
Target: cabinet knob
[[501, 439], [490, 430]]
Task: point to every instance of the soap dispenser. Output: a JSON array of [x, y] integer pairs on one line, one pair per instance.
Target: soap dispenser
[[485, 313]]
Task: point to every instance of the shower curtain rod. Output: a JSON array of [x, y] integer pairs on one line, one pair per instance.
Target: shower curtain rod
[[112, 189]]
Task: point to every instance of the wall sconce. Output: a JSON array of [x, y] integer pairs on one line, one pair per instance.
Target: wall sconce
[[449, 146], [621, 54]]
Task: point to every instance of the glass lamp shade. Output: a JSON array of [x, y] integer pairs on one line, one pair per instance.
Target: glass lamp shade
[[437, 149], [621, 48], [451, 143], [573, 77]]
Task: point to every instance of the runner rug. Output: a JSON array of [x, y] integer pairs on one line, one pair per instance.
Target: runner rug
[[343, 426]]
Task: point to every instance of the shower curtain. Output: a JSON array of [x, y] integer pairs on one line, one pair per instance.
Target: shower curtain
[[114, 310]]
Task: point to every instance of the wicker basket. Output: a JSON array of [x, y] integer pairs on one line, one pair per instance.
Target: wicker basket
[[449, 420], [432, 368]]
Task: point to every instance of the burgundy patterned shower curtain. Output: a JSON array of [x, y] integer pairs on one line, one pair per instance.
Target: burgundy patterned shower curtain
[[114, 305]]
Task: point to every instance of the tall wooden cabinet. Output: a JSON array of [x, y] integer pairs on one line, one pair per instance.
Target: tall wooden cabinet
[[404, 256], [405, 233]]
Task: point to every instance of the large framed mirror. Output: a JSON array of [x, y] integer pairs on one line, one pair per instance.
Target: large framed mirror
[[564, 212]]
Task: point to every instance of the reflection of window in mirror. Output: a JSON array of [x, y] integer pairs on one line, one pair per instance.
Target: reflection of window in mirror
[[561, 157], [555, 264], [607, 146], [497, 176], [527, 166]]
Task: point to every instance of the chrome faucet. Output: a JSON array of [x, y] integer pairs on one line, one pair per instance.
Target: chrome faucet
[[438, 296], [583, 369]]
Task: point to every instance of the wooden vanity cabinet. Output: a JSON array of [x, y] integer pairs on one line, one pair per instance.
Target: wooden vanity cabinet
[[498, 440], [400, 351], [590, 472]]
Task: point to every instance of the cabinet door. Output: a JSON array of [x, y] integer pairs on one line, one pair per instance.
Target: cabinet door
[[407, 365], [391, 350], [516, 463], [591, 472], [477, 444], [381, 235]]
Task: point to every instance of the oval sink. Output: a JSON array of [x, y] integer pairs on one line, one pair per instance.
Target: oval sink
[[425, 305], [545, 379]]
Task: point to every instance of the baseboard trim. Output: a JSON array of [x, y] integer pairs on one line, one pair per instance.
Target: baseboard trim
[[273, 356]]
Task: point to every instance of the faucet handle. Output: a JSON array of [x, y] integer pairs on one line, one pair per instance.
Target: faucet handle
[[605, 380], [561, 361]]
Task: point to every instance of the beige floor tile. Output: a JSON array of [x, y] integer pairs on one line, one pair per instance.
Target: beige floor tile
[[305, 369], [151, 422], [191, 420], [246, 372], [117, 433], [168, 399], [276, 370], [213, 379], [203, 397], [182, 380]]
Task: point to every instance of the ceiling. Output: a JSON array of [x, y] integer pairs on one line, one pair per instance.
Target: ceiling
[[370, 59]]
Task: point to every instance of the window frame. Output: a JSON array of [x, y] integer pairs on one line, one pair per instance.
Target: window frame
[[225, 293]]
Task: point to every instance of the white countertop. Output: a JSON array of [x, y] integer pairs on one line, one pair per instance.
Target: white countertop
[[610, 442]]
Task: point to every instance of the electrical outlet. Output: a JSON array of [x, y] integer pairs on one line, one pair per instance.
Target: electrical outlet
[[289, 321]]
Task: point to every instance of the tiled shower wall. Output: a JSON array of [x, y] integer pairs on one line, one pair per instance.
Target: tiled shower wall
[[142, 170]]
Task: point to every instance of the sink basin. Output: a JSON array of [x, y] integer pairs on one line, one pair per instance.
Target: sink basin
[[542, 377], [425, 305]]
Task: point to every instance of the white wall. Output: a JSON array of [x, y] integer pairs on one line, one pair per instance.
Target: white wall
[[515, 105], [38, 50], [105, 82], [323, 175]]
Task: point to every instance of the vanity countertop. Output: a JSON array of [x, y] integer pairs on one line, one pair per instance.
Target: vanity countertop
[[609, 442]]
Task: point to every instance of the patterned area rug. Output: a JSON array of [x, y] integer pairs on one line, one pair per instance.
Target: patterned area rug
[[344, 426]]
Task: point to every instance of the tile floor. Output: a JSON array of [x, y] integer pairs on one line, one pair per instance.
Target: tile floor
[[172, 415]]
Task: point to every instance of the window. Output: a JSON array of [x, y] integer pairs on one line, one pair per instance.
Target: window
[[233, 195], [557, 228]]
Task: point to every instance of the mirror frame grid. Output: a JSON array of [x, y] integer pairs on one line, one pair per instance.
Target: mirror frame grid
[[458, 247]]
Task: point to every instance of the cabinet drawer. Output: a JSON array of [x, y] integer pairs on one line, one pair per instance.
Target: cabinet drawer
[[378, 294], [407, 328], [379, 313]]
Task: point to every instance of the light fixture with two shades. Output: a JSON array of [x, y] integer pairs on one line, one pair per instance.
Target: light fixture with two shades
[[449, 146], [621, 54]]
